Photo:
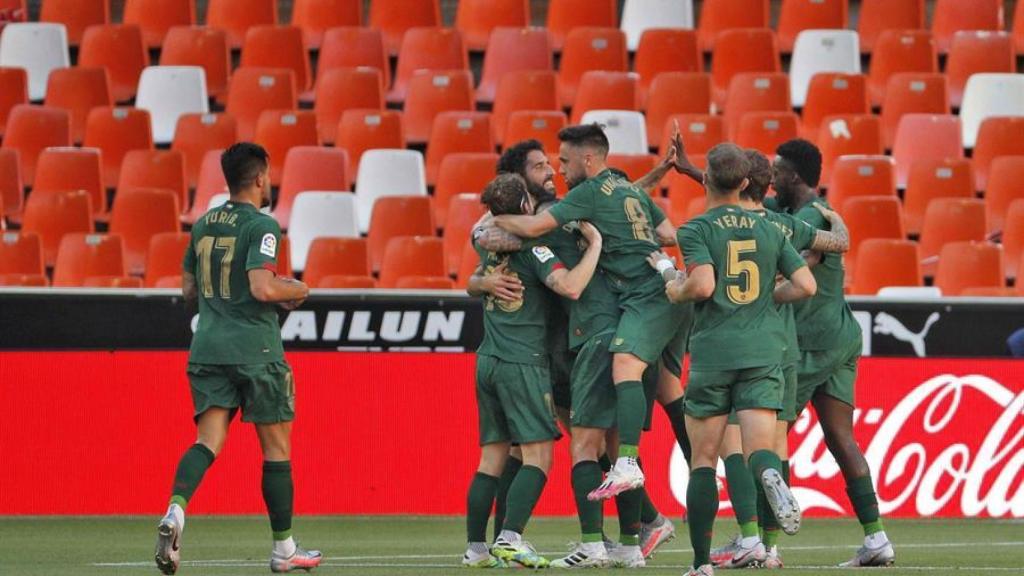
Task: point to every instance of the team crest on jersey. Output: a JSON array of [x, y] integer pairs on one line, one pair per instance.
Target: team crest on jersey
[[543, 253], [268, 246]]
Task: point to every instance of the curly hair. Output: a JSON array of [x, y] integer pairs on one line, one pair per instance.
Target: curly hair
[[805, 158], [513, 159]]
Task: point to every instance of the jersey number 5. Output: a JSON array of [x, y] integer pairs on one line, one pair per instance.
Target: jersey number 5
[[738, 268], [204, 249], [638, 218]]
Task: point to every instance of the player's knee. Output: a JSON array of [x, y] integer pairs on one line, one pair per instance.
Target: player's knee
[[213, 444], [539, 455], [586, 444], [627, 367]]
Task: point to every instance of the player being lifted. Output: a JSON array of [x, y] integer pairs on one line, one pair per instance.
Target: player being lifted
[[830, 345], [237, 359], [632, 226], [513, 381], [737, 343]]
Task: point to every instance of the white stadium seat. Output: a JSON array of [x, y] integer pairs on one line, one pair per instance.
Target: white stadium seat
[[626, 130], [387, 172], [988, 95], [38, 48], [168, 92], [639, 15], [317, 214], [821, 51]]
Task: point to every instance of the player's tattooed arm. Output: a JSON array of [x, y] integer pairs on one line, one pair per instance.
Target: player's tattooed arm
[[838, 240], [527, 226], [266, 286], [494, 239], [799, 286], [572, 283], [499, 283]]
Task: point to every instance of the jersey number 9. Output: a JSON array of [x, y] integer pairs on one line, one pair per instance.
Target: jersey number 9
[[738, 268]]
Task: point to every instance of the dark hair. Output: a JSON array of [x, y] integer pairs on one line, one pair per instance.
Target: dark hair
[[505, 194], [760, 176], [586, 135], [805, 158], [727, 167], [242, 163], [513, 159]]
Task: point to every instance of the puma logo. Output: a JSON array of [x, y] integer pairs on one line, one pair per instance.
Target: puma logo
[[887, 324]]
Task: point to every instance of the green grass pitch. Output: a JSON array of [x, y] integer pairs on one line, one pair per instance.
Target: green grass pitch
[[399, 545]]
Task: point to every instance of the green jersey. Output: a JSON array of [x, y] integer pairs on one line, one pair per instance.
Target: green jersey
[[825, 321], [234, 327], [517, 331], [739, 326], [626, 217]]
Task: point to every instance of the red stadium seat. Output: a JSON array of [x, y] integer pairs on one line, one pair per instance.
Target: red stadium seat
[[157, 17], [932, 178], [73, 169], [477, 19], [427, 49], [795, 16], [1018, 36], [975, 52], [830, 94], [84, 255], [12, 193], [635, 166], [877, 16], [467, 265], [457, 132], [532, 90], [674, 93], [197, 134], [989, 292], [952, 16], [335, 281], [353, 47], [329, 256], [155, 169], [599, 90], [765, 131], [965, 265], [210, 183], [254, 90], [461, 173], [512, 50], [278, 131], [52, 214], [1004, 187], [395, 17], [588, 49], [900, 51], [361, 130], [137, 215], [870, 217], [700, 132], [130, 282], [431, 93], [855, 175], [566, 15], [912, 94], [755, 92], [848, 134], [341, 89], [950, 220], [115, 131], [425, 283], [998, 136], [310, 168], [204, 47], [316, 17], [922, 136], [395, 216], [165, 256], [1013, 240], [541, 125], [717, 16], [751, 50], [886, 262], [119, 49], [685, 195], [30, 130], [464, 211], [21, 254], [236, 17], [665, 50], [75, 15], [78, 90], [412, 256], [278, 47], [13, 91]]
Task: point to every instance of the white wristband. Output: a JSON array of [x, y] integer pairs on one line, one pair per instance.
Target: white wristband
[[663, 265]]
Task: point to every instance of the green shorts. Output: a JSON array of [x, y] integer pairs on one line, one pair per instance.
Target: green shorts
[[562, 361], [264, 392], [717, 392], [788, 412], [672, 354], [514, 402], [593, 393], [831, 372], [648, 321]]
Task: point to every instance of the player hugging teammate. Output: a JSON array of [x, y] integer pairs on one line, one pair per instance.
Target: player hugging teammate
[[754, 361]]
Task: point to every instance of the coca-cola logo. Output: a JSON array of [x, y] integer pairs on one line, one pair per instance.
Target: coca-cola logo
[[951, 446]]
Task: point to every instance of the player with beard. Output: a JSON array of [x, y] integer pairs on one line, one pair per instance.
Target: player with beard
[[830, 346]]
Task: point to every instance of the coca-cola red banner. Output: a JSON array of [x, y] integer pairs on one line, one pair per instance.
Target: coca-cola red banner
[[101, 432]]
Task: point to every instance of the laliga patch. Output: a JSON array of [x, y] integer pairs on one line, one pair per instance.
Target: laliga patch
[[268, 245], [543, 253]]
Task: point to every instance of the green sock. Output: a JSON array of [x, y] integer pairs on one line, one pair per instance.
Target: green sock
[[785, 472], [759, 461], [191, 468], [512, 466], [278, 494], [605, 463], [701, 509], [629, 504], [648, 513], [586, 476], [479, 502], [742, 493], [677, 418], [865, 504], [522, 497], [769, 537], [631, 409]]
